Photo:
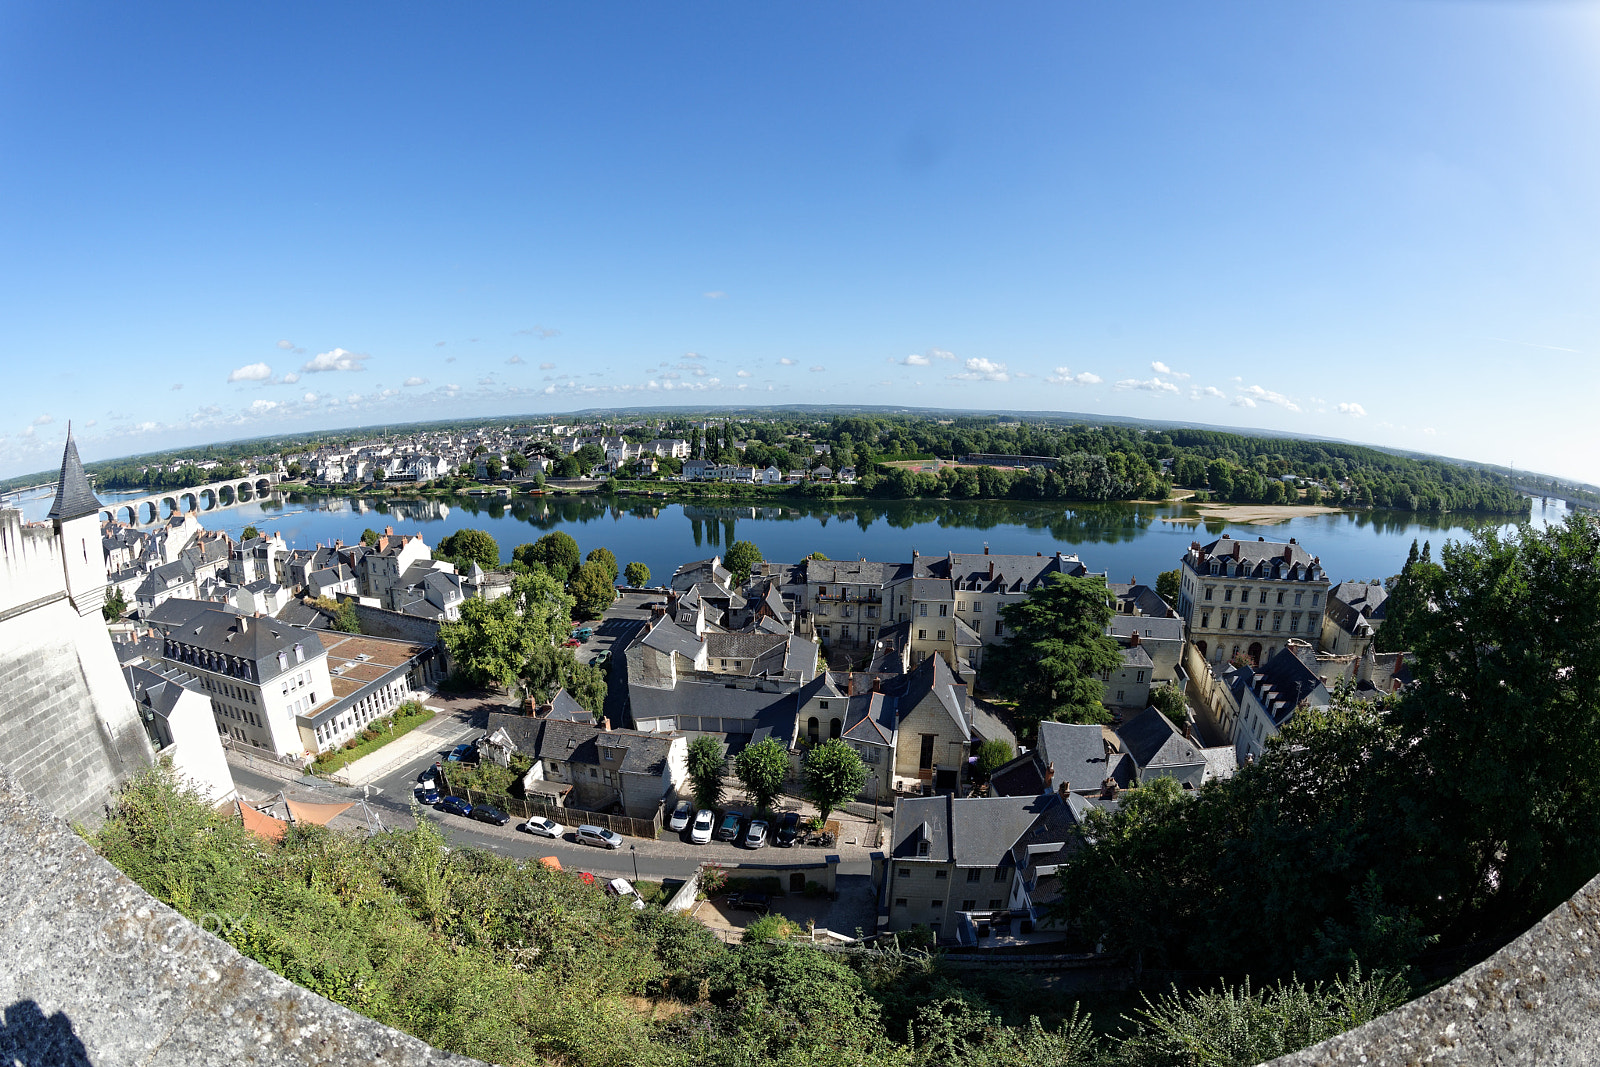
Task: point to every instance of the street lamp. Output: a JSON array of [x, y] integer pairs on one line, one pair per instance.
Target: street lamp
[[634, 852]]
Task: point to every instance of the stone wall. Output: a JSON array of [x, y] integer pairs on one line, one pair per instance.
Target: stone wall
[[381, 622], [93, 970]]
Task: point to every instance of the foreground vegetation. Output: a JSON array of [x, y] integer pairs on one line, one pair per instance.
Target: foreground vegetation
[[517, 964]]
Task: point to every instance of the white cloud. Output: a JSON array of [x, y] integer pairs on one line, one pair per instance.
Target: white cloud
[[1162, 369], [1354, 410], [44, 420], [715, 294], [547, 366], [92, 422], [785, 362], [744, 374], [251, 372], [261, 407], [1209, 391], [1152, 385], [1243, 402], [516, 361], [940, 353], [414, 381], [146, 427], [27, 432], [915, 359], [818, 368], [336, 359], [1267, 396], [290, 378], [449, 359], [1064, 376], [487, 379], [176, 386], [982, 370], [1430, 431], [286, 345], [311, 398]]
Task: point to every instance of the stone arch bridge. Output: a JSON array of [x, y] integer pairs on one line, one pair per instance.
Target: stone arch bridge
[[196, 500]]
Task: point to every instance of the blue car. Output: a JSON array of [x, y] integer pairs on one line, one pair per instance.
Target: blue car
[[455, 806], [427, 796], [459, 754]]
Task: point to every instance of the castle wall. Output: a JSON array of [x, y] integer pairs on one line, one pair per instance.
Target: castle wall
[[69, 731]]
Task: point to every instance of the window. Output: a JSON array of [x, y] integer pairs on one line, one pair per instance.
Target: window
[[944, 611], [1280, 596], [941, 874], [822, 590], [922, 635], [1259, 620], [922, 611], [997, 628], [1315, 599], [922, 848], [1209, 590], [1227, 594], [1241, 620], [1277, 620], [935, 904], [969, 905], [823, 704], [941, 635], [1119, 696], [593, 773], [974, 874], [738, 664], [905, 872], [1138, 676], [995, 905], [1263, 599], [1297, 599], [961, 605], [977, 606], [899, 902], [608, 755], [1205, 621], [1294, 622]]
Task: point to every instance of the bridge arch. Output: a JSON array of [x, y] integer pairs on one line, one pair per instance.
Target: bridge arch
[[148, 511], [208, 500], [189, 501], [243, 491], [225, 496], [168, 507], [127, 515], [108, 514], [263, 485]]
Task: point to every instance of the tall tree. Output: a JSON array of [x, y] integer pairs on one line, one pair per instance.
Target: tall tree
[[1167, 583], [762, 768], [741, 559], [471, 546], [592, 590], [1052, 662], [556, 550], [637, 574], [604, 556], [705, 771], [544, 604], [552, 667], [490, 642], [249, 533], [833, 774]]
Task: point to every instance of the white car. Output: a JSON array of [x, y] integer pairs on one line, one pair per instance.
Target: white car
[[680, 817], [700, 833], [539, 826], [621, 887]]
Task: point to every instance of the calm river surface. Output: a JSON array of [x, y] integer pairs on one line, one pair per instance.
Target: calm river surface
[[1125, 540]]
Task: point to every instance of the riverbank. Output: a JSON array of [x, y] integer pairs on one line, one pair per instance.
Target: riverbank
[[1257, 514]]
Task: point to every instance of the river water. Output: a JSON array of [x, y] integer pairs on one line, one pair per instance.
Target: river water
[[1124, 540]]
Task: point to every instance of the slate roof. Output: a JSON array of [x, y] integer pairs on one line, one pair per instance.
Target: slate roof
[[931, 679], [997, 573], [1282, 683], [1258, 559], [256, 640], [562, 706], [1083, 756], [74, 496], [1352, 604], [1153, 742], [576, 742], [158, 689], [871, 719], [1149, 628], [853, 572], [1136, 595], [1022, 777], [741, 646], [1136, 656], [753, 708], [667, 636], [979, 831]]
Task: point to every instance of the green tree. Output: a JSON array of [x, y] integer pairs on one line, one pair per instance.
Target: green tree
[[490, 643], [346, 620], [637, 574], [588, 458], [517, 462], [705, 771], [1169, 700], [249, 533], [606, 557], [552, 667], [741, 559], [116, 605], [471, 546], [494, 468], [543, 603], [1052, 662], [369, 537], [1167, 584], [555, 550], [592, 590], [992, 755], [762, 768], [295, 470], [833, 774]]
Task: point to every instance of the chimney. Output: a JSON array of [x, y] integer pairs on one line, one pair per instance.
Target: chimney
[[388, 531], [1288, 552], [1236, 550], [877, 683], [244, 624], [991, 568], [1188, 731], [1292, 541], [1108, 788], [1065, 790], [605, 724], [914, 553], [1133, 639], [1050, 777]]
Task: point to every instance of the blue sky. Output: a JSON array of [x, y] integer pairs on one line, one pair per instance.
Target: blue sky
[[1371, 221]]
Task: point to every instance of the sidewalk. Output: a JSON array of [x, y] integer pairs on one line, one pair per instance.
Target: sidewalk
[[446, 729]]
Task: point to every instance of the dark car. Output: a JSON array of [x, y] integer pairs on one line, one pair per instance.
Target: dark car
[[750, 902], [788, 829], [484, 813], [455, 806], [426, 795], [460, 754], [728, 829]]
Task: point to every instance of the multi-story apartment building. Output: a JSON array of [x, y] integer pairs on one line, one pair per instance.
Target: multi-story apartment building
[[1248, 598]]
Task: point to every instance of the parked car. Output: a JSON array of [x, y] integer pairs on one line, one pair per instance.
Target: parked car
[[539, 826], [459, 754], [427, 794], [700, 833], [455, 806], [788, 830], [622, 888], [583, 633], [750, 902], [728, 829], [484, 813], [571, 642], [601, 658], [599, 837], [756, 835], [680, 816]]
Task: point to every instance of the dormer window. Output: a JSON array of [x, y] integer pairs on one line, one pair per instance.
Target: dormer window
[[922, 848]]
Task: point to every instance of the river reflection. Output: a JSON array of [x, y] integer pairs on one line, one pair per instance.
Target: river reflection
[[1125, 540]]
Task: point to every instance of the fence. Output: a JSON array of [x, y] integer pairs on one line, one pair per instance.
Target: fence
[[519, 808]]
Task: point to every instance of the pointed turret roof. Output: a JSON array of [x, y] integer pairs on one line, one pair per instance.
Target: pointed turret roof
[[74, 497]]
